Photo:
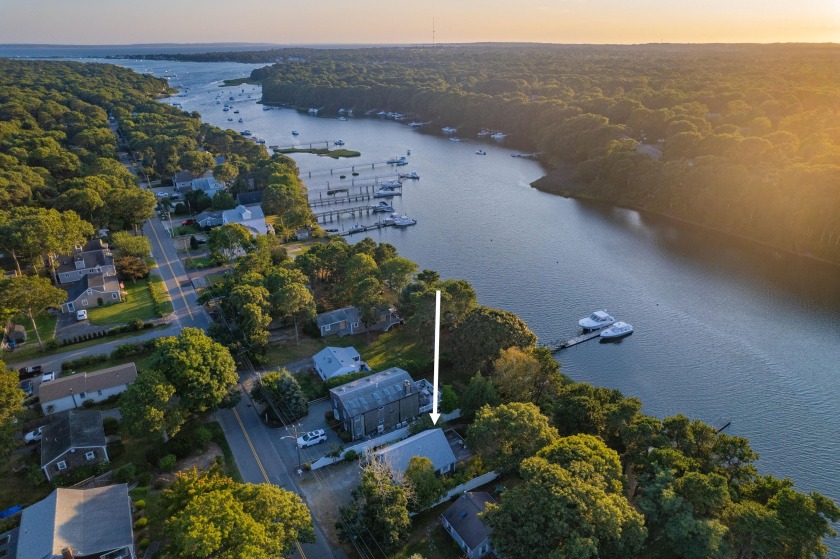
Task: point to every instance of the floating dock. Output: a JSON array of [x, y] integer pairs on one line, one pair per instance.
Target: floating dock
[[585, 337]]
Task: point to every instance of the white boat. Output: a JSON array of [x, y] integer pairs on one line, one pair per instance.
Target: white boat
[[246, 133], [498, 136], [386, 192], [484, 132], [339, 142], [401, 160], [342, 118], [404, 221], [617, 330], [295, 133], [448, 130], [415, 124], [356, 228], [454, 139], [480, 152], [598, 319], [226, 109], [393, 183], [382, 207], [411, 175], [230, 120]]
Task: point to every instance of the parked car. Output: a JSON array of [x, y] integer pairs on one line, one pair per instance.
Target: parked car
[[48, 377], [26, 386], [33, 436], [163, 195], [188, 222], [29, 372], [312, 438], [81, 315]]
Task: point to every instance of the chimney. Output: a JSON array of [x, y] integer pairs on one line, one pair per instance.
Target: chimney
[[407, 387], [66, 553]]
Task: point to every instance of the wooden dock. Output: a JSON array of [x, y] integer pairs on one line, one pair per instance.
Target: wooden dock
[[347, 170], [371, 227], [585, 337], [330, 215], [353, 182]]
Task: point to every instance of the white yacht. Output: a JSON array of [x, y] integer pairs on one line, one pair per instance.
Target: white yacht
[[498, 136], [411, 175], [356, 228], [454, 139], [404, 221], [386, 192], [617, 330], [382, 207], [397, 160], [393, 183], [598, 319], [448, 130]]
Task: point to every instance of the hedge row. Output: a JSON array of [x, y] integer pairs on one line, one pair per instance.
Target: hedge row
[[160, 297]]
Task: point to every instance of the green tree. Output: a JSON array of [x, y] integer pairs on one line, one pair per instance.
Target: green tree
[[30, 296], [131, 267], [223, 200], [149, 406], [396, 272], [506, 435], [379, 511], [228, 242], [588, 458], [11, 400], [284, 392], [225, 172], [429, 277], [196, 162], [126, 244], [129, 207], [448, 399], [425, 487], [484, 333], [555, 514], [201, 370], [290, 298], [208, 515], [479, 392]]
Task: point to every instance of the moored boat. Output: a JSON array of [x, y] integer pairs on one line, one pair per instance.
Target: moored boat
[[386, 192], [393, 183], [339, 142], [382, 207], [448, 130], [356, 228], [480, 152], [295, 133], [404, 221], [498, 136], [411, 175], [617, 330], [598, 319]]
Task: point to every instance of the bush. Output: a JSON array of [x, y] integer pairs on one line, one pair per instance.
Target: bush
[[139, 505], [144, 543], [135, 349], [87, 404], [157, 289], [350, 455], [83, 362], [167, 463], [136, 324], [139, 492], [144, 479], [126, 473], [51, 344], [202, 437], [35, 475], [141, 523], [115, 450]]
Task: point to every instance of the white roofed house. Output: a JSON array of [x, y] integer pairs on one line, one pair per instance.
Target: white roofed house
[[251, 217], [431, 444], [207, 185], [80, 523], [336, 361]]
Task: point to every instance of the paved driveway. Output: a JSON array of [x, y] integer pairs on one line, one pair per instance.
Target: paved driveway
[[67, 327]]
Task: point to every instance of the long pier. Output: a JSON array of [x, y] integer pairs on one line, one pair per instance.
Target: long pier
[[585, 337], [364, 228], [304, 145], [351, 169], [335, 186], [330, 215], [335, 197]]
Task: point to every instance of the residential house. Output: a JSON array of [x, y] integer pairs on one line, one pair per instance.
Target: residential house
[[348, 320], [336, 361], [207, 185], [341, 321], [82, 523], [70, 392], [183, 180], [251, 217], [380, 402], [462, 521], [92, 258], [303, 233], [71, 439], [248, 198], [209, 219], [431, 444], [93, 290]]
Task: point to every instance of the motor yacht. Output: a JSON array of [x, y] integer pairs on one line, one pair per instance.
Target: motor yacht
[[598, 319]]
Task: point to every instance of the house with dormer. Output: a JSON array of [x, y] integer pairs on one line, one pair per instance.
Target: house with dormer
[[251, 217], [94, 290], [94, 257], [72, 439]]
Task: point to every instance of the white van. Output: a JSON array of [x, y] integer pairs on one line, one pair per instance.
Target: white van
[[81, 315]]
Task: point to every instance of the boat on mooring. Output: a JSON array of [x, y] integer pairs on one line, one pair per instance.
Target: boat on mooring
[[404, 221], [480, 152], [598, 319], [411, 175], [617, 330], [382, 207], [385, 192], [295, 133], [393, 183]]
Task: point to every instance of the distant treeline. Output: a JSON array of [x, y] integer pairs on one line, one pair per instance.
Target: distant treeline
[[741, 138]]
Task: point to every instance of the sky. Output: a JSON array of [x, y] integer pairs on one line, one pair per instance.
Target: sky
[[296, 22]]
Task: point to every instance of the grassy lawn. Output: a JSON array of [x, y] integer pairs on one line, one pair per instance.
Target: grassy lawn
[[396, 344], [164, 303], [280, 353], [428, 538], [138, 305], [15, 489], [186, 230], [311, 384], [46, 327], [335, 154]]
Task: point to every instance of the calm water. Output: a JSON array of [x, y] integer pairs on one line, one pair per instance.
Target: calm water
[[722, 327]]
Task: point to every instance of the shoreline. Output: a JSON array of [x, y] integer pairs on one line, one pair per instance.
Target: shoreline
[[544, 184]]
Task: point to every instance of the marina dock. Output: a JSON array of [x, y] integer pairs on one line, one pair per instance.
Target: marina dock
[[348, 169], [329, 215]]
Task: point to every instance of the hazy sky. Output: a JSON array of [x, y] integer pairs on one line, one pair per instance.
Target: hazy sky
[[380, 21]]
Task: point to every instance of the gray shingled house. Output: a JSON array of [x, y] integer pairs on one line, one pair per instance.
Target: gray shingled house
[[92, 291], [78, 523], [93, 257], [431, 444], [379, 402], [72, 439], [462, 522], [349, 321]]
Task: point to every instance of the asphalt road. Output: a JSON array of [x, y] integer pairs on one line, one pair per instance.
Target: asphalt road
[[259, 462], [188, 313]]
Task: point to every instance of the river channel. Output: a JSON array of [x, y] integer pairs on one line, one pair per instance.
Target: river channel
[[722, 327]]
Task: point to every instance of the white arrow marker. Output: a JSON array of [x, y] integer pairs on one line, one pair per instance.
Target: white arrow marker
[[435, 415]]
